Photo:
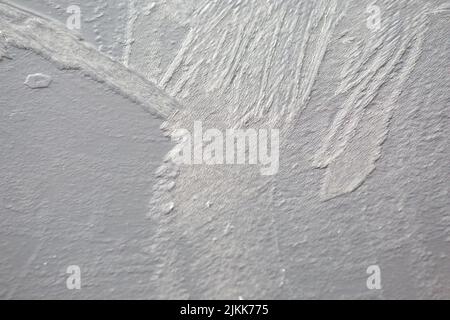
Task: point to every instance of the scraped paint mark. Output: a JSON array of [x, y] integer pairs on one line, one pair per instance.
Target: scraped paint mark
[[129, 31], [354, 140], [239, 51], [27, 30]]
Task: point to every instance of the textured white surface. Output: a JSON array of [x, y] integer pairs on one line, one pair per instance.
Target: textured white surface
[[364, 172]]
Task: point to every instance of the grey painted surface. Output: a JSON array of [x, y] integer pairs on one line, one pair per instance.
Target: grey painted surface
[[364, 149], [77, 169]]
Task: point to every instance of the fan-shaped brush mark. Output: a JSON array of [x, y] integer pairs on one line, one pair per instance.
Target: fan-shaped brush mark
[[373, 85]]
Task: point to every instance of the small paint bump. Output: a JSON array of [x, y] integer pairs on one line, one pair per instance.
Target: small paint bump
[[167, 208], [38, 81]]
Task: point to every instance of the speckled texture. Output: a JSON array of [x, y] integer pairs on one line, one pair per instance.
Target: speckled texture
[[364, 149]]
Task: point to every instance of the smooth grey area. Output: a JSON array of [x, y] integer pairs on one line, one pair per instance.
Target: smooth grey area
[[364, 152], [77, 169]]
